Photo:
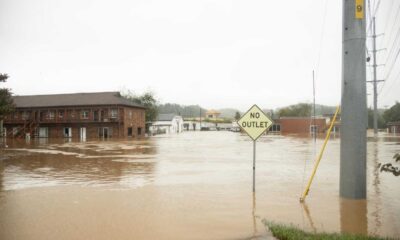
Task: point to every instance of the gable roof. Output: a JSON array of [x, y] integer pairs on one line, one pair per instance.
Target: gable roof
[[166, 116], [212, 111], [73, 99]]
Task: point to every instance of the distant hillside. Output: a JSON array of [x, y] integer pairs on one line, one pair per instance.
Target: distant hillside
[[185, 111], [192, 111], [228, 112], [323, 109]]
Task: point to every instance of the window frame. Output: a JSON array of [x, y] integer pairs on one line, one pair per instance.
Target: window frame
[[84, 114]]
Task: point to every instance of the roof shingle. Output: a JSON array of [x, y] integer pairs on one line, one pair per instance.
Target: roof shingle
[[73, 99]]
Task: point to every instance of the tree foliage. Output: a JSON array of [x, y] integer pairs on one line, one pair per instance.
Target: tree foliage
[[381, 121], [392, 114], [237, 116], [190, 111], [298, 110], [6, 101], [148, 100]]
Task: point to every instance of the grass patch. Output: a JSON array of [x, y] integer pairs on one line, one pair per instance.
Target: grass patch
[[284, 232]]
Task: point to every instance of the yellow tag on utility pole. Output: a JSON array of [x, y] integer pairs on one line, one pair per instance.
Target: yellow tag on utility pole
[[254, 122], [359, 9]]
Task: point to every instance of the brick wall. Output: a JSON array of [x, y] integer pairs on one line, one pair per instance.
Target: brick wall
[[134, 118], [118, 127], [301, 125]]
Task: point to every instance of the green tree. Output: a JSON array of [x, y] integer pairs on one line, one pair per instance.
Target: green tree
[[381, 121], [191, 111], [148, 100], [298, 110], [6, 101], [392, 114], [237, 116]]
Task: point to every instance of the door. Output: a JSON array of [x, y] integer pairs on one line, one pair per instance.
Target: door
[[68, 132], [43, 132], [105, 132], [83, 133]]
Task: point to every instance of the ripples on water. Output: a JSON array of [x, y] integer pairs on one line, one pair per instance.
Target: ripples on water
[[202, 170]]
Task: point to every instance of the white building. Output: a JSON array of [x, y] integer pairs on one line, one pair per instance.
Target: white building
[[167, 123]]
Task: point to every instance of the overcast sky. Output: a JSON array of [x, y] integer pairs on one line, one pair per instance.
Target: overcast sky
[[213, 53]]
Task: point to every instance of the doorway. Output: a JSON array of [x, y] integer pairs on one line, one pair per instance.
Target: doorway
[[82, 134], [43, 132], [104, 132], [67, 132]]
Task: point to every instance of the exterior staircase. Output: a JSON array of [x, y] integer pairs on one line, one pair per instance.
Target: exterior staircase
[[30, 127]]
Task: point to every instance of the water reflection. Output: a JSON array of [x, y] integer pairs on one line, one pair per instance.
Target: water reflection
[[308, 215], [201, 180], [1, 174], [254, 215], [78, 163], [376, 187], [353, 216]]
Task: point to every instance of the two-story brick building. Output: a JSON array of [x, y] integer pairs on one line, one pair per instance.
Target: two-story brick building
[[82, 115]]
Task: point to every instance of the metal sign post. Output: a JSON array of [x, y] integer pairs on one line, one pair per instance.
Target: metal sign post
[[254, 166], [254, 122]]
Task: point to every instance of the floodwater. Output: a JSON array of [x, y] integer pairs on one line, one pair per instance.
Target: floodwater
[[193, 185]]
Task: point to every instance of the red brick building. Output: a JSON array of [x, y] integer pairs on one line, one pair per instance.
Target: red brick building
[[299, 125], [78, 115], [394, 127]]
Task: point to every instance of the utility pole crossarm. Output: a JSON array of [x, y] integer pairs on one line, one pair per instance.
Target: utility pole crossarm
[[373, 81]]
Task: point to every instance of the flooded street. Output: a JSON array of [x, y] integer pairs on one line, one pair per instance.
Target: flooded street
[[193, 185]]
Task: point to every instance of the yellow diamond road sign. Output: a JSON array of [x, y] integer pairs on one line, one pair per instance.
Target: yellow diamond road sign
[[254, 122]]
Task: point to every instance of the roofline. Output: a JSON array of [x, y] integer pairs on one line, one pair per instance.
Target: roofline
[[65, 106], [33, 95]]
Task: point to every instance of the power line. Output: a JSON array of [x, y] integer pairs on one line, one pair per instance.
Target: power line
[[388, 14], [388, 36], [377, 7], [391, 83], [386, 41]]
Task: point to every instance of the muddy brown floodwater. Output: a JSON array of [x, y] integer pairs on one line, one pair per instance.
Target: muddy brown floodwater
[[194, 185]]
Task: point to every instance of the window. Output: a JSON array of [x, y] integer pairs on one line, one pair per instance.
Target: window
[[43, 132], [25, 115], [50, 115], [84, 114], [130, 132], [105, 132], [130, 114], [15, 131], [42, 115], [275, 128], [114, 113], [314, 129], [67, 132], [61, 115], [139, 131], [335, 129]]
